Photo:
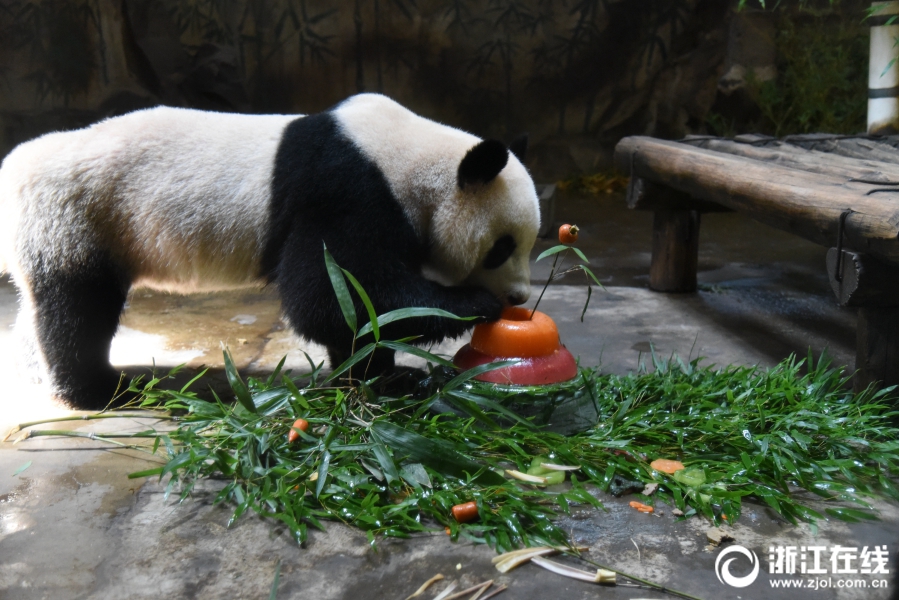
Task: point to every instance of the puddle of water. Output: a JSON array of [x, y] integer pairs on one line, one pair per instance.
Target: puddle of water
[[133, 347]]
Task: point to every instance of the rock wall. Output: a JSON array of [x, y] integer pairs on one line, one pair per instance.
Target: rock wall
[[577, 75]]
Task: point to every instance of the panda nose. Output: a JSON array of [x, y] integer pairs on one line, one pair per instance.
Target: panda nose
[[516, 299]]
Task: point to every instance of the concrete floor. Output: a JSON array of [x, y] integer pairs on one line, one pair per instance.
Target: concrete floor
[[73, 526]]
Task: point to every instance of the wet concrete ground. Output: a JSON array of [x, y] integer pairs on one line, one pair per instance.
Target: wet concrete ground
[[73, 526]]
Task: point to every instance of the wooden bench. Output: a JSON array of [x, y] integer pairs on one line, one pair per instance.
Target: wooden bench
[[841, 192]]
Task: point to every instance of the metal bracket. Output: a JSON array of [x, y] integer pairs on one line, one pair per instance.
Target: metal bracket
[[838, 268]]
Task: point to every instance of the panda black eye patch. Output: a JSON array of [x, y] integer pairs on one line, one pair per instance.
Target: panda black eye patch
[[500, 253]]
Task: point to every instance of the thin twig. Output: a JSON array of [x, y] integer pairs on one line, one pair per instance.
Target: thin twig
[[645, 582], [498, 590], [425, 585], [552, 273], [470, 590]]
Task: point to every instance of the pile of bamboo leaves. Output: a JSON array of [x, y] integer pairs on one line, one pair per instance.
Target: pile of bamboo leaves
[[391, 466]]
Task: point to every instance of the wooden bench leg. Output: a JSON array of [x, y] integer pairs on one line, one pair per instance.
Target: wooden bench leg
[[675, 250], [873, 286], [877, 347]]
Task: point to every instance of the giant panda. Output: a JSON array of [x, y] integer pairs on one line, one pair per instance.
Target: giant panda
[[182, 200]]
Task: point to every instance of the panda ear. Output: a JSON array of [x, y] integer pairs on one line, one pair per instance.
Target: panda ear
[[482, 163], [519, 147]]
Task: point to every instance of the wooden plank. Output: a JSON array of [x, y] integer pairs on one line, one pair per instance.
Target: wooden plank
[[877, 347], [863, 281], [796, 157], [643, 194], [675, 251], [802, 203], [850, 146]]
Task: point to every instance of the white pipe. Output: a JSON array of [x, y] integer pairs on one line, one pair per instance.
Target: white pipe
[[883, 70]]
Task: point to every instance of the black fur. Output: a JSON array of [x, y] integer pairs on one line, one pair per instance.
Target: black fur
[[482, 163], [324, 191], [502, 249], [78, 313]]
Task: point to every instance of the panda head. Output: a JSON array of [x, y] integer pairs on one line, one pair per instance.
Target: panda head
[[471, 202], [484, 234]]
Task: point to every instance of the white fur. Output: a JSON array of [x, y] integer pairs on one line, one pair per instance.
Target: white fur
[[180, 196], [183, 195], [420, 159]]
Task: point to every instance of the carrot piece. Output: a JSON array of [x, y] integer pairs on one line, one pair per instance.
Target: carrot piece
[[302, 425], [463, 513], [667, 466]]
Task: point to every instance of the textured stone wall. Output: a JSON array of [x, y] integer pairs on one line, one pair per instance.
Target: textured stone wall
[[576, 74]]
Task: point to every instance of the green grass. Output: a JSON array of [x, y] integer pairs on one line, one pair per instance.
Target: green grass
[[392, 467]]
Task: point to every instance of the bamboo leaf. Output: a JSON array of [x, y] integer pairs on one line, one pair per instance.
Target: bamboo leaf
[[551, 251], [388, 467], [273, 594], [409, 313], [580, 254], [475, 371], [590, 274], [402, 347], [271, 379], [372, 317], [439, 456], [196, 378], [492, 405], [298, 396], [346, 365], [335, 273], [237, 384], [322, 472], [21, 469]]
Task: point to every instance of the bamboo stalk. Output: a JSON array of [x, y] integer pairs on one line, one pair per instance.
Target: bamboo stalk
[[89, 434], [101, 437], [92, 417]]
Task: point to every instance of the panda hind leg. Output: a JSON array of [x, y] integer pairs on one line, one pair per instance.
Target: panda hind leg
[[76, 314], [381, 362]]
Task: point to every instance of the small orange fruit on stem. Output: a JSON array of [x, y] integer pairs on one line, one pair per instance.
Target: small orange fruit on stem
[[302, 425], [463, 513], [568, 233]]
